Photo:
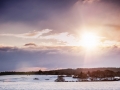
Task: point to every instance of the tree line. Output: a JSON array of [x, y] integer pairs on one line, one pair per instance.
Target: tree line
[[77, 73], [102, 75]]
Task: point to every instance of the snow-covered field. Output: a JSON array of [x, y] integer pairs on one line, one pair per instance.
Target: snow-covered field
[[46, 82], [28, 78]]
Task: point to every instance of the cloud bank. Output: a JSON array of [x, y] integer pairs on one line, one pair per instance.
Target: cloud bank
[[47, 58]]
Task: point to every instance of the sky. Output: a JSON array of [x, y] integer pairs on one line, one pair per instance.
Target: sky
[[56, 34]]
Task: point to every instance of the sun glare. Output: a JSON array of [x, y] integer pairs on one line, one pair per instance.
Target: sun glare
[[89, 40]]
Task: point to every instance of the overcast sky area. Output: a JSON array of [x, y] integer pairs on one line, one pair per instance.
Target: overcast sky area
[[46, 34]]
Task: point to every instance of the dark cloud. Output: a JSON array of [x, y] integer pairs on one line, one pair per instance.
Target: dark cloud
[[31, 11], [37, 14], [30, 44], [116, 2], [56, 57], [46, 57], [60, 16], [6, 48]]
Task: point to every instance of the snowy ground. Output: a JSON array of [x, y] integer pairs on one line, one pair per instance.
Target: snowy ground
[[46, 82], [31, 78], [28, 78]]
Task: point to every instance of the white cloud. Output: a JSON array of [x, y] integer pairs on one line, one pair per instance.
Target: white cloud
[[65, 37], [48, 38], [33, 34]]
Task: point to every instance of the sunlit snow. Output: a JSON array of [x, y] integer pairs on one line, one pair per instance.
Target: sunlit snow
[[46, 82]]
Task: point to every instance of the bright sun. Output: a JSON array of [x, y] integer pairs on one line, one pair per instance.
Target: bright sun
[[89, 40]]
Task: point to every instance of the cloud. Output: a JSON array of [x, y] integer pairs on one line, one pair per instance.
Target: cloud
[[45, 57], [7, 48], [56, 57], [47, 37], [89, 1], [30, 44], [32, 11], [113, 26], [111, 32], [63, 38], [33, 34]]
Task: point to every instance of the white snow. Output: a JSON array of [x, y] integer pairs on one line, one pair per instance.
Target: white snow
[[46, 82], [28, 78]]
